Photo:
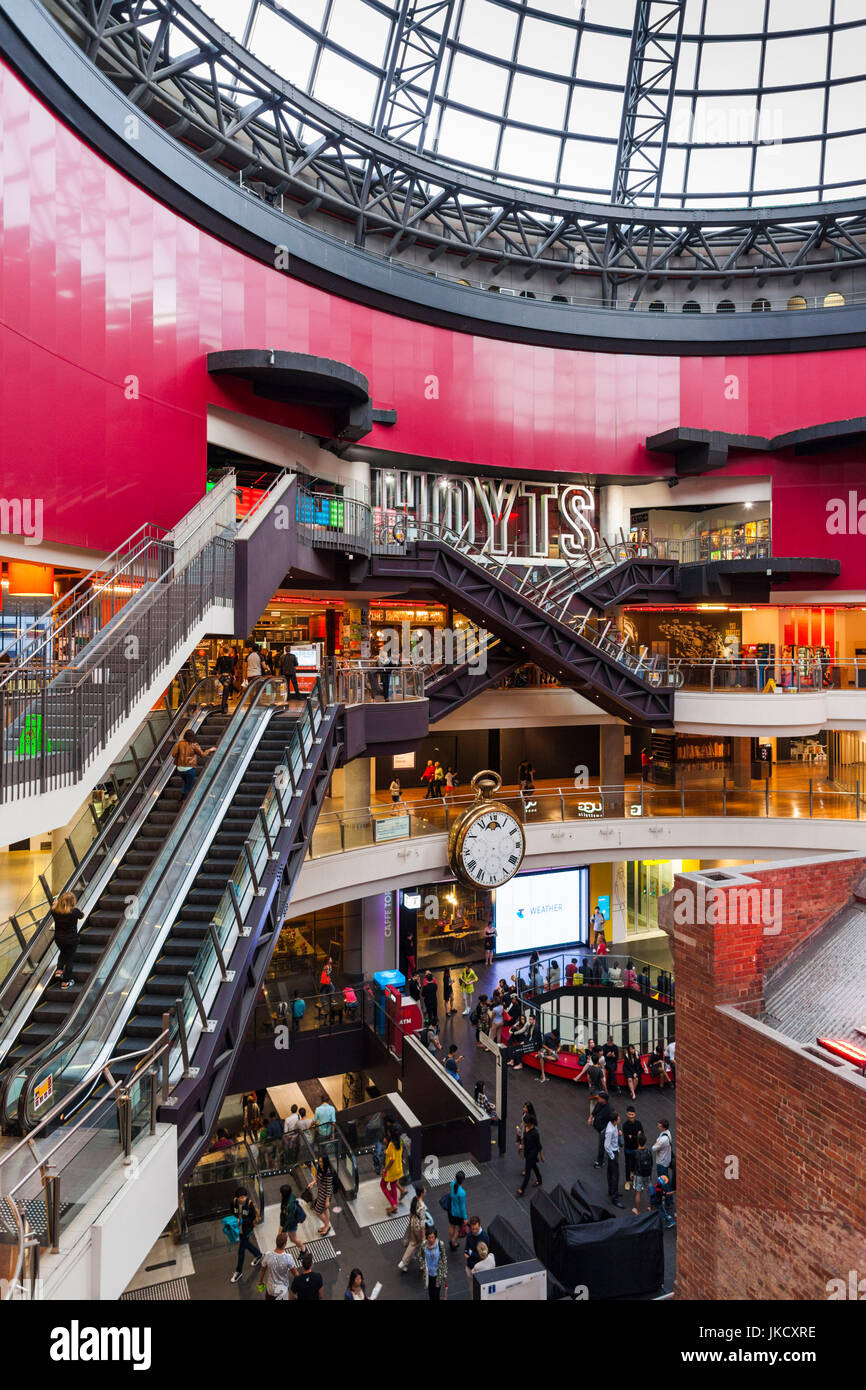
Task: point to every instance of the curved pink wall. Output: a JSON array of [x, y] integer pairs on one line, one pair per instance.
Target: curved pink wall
[[99, 283]]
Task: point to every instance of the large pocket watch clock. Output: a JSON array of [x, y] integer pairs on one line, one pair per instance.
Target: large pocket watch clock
[[486, 844]]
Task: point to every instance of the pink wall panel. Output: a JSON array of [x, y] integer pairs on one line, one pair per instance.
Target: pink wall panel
[[100, 283]]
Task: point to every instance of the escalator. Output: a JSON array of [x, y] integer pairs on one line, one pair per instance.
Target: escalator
[[56, 1004], [169, 977]]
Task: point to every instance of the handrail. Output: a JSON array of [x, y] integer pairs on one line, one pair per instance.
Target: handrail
[[157, 755], [150, 1056], [147, 528], [85, 1008]]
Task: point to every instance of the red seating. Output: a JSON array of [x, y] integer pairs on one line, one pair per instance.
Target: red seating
[[567, 1065]]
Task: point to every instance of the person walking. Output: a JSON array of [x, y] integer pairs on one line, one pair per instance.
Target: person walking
[[533, 1154], [448, 992], [67, 915], [392, 1172], [468, 981], [450, 781], [599, 1119], [438, 779], [594, 1072], [246, 1212], [433, 1259], [497, 1017], [631, 1134], [292, 1215], [253, 663], [308, 1286], [452, 1062], [278, 1267], [612, 1136], [394, 789], [224, 670], [663, 1149], [299, 1008], [430, 996], [427, 777], [289, 669], [456, 1207], [324, 1192], [186, 753], [643, 1172], [477, 1236], [416, 1229]]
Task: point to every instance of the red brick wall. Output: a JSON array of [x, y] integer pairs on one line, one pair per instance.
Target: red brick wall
[[771, 1144]]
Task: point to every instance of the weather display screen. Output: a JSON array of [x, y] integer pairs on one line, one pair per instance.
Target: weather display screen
[[535, 912]]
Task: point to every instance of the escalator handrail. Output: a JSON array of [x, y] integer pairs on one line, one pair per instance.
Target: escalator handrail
[[99, 841], [42, 1055]]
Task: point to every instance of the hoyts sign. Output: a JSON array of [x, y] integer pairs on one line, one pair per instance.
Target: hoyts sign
[[508, 516]]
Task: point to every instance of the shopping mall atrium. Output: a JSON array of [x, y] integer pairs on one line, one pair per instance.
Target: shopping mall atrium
[[433, 658]]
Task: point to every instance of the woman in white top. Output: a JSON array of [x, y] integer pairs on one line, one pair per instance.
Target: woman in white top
[[278, 1267]]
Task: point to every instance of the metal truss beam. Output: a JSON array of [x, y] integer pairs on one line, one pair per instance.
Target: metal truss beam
[[200, 85], [648, 101], [418, 49]]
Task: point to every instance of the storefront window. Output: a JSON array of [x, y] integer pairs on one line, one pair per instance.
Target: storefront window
[[647, 881]]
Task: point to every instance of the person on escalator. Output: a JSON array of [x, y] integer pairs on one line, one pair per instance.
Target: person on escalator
[[186, 753], [66, 918], [224, 670]]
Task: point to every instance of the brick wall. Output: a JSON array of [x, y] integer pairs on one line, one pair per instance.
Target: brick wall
[[771, 1161]]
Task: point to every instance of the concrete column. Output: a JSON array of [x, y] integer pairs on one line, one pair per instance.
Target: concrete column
[[356, 784], [618, 905], [379, 941], [614, 511], [742, 762], [611, 763]]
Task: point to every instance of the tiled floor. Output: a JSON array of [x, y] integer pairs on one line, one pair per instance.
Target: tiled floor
[[374, 1244]]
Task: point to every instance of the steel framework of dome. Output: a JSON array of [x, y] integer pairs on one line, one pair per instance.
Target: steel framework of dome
[[388, 185]]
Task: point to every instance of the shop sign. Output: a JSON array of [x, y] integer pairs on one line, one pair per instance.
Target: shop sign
[[43, 1092], [390, 828], [484, 509]]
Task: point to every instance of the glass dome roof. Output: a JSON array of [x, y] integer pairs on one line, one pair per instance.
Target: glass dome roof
[[768, 103]]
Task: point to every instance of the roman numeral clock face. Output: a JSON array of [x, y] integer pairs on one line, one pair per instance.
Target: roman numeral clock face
[[491, 850]]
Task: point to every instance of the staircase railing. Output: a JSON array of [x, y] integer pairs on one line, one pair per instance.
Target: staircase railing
[[557, 604], [54, 722]]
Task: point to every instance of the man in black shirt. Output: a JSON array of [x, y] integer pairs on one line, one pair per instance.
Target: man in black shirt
[[631, 1135], [430, 995], [289, 669], [611, 1062], [601, 1113], [307, 1287], [224, 670], [532, 1155], [246, 1211]]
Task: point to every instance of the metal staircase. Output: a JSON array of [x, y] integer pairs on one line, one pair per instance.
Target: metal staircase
[[550, 622]]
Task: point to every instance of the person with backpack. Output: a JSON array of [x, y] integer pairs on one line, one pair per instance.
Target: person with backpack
[[289, 669], [452, 1062], [246, 1212], [643, 1171], [663, 1150], [660, 1194], [66, 918], [416, 1229]]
